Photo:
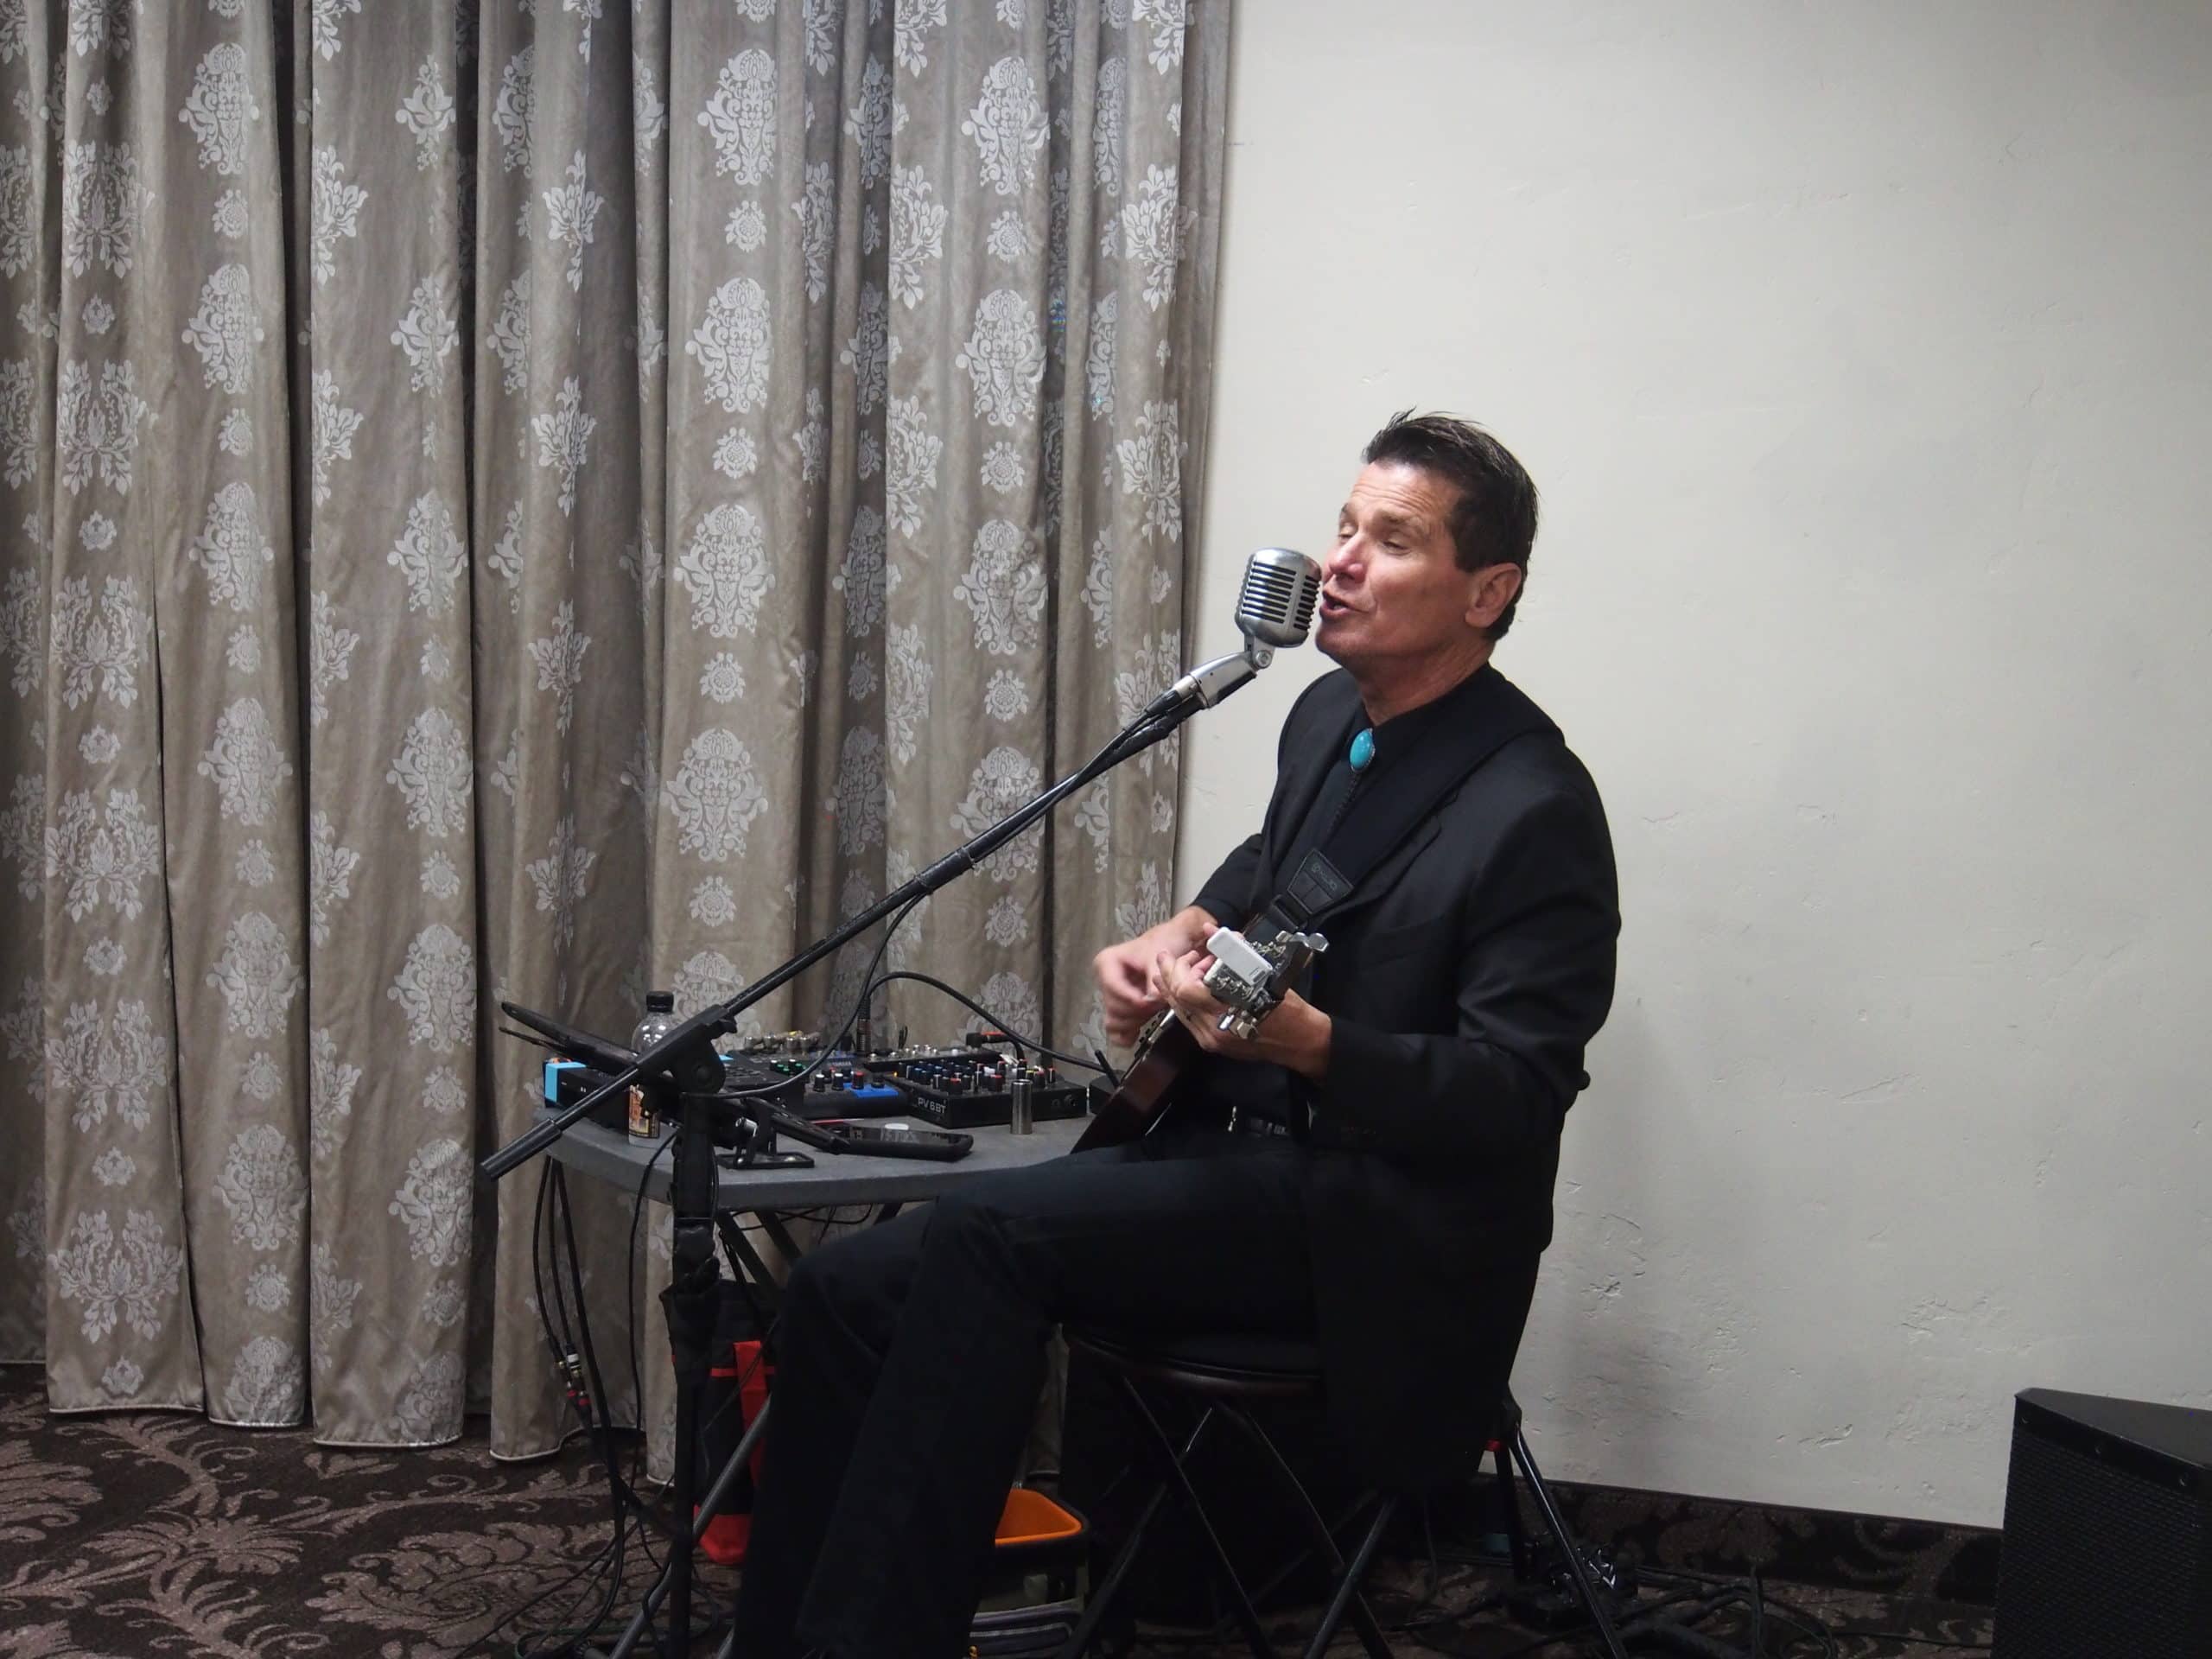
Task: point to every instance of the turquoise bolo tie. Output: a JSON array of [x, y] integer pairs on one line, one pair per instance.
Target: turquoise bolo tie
[[1363, 750]]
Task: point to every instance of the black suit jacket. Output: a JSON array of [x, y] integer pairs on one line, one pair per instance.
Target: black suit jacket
[[1463, 977]]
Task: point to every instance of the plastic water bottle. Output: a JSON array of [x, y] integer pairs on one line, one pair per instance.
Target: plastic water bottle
[[659, 1020]]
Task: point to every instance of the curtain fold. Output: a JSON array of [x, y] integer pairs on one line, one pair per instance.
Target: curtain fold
[[542, 502]]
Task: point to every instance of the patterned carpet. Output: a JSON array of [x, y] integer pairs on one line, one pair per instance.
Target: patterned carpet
[[134, 1534], [137, 1532]]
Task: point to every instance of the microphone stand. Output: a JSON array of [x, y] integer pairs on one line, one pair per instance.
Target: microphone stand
[[685, 1064]]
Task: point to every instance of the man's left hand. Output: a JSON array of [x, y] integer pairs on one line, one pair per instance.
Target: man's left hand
[[1294, 1035]]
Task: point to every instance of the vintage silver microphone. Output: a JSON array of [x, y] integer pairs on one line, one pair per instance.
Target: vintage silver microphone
[[1275, 610], [1275, 607]]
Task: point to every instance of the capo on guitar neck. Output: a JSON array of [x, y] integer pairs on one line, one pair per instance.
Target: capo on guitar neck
[[1253, 978], [1231, 949]]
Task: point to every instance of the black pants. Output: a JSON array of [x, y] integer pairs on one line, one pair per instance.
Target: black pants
[[910, 1359]]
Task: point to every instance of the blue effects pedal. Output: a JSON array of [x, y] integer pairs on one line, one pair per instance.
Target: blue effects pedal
[[568, 1082]]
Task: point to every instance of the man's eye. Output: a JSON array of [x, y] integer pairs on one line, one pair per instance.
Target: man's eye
[[1396, 547]]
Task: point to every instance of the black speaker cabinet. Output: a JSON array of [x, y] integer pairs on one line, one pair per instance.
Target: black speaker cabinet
[[2107, 1546]]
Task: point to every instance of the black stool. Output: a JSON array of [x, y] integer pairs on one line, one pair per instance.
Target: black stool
[[1228, 1374]]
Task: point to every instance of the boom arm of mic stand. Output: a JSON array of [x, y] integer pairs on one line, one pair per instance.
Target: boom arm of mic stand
[[686, 1055]]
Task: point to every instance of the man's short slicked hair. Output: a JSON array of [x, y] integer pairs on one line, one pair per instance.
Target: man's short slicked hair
[[1494, 521]]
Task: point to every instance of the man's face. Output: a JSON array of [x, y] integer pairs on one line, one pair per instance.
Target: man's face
[[1392, 590]]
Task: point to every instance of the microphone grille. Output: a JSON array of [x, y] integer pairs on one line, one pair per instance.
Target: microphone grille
[[1280, 589]]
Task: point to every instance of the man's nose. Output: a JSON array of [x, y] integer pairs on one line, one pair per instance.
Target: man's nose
[[1347, 559]]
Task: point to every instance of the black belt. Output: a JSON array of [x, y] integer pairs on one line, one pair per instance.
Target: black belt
[[1244, 1122]]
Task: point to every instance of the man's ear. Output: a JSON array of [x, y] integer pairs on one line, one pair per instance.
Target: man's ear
[[1490, 590]]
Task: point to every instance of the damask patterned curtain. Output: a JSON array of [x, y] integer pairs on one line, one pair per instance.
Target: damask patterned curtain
[[540, 501]]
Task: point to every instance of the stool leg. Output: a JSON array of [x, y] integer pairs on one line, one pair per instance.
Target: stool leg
[[1102, 1593], [1576, 1569], [1363, 1618], [1248, 1619], [1510, 1497], [1348, 1594]]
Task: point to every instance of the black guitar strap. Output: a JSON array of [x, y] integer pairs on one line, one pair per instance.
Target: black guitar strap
[[1482, 717], [1318, 883]]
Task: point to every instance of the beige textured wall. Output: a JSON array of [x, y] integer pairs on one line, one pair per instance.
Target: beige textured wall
[[1862, 354]]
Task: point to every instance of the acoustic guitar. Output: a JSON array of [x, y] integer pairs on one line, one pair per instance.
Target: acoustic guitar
[[1252, 978]]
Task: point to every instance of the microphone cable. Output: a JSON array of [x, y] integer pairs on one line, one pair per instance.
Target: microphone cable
[[1021, 1044], [558, 1341], [1125, 743], [622, 1497], [852, 1017]]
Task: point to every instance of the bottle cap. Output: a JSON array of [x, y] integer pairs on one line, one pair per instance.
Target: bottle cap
[[660, 1002]]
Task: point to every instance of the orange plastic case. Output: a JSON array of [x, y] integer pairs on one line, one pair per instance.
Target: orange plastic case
[[1032, 1518]]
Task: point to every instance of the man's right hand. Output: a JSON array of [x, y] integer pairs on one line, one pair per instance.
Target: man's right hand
[[1124, 971]]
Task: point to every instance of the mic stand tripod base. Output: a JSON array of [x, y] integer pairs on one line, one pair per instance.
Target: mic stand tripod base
[[692, 1303]]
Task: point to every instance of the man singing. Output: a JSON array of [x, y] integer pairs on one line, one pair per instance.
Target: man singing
[[1373, 1167]]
